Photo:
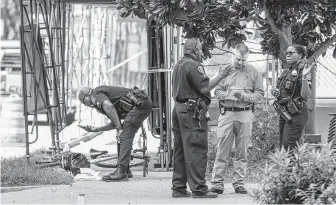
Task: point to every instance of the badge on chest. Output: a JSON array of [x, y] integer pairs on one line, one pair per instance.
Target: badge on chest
[[290, 80]]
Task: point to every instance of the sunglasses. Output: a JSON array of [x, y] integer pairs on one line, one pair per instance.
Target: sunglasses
[[290, 53]]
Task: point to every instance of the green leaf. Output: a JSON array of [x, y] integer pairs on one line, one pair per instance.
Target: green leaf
[[224, 43], [124, 13], [243, 37], [249, 33], [180, 14]]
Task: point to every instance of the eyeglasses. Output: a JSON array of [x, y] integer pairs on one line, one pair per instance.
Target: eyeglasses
[[290, 53]]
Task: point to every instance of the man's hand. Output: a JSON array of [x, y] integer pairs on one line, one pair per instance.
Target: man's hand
[[239, 95], [87, 128], [224, 72], [118, 135], [275, 92]]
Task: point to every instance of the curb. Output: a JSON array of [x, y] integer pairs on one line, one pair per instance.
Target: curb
[[20, 188]]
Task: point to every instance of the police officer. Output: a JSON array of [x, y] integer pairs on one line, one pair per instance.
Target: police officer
[[292, 92], [191, 90], [117, 103]]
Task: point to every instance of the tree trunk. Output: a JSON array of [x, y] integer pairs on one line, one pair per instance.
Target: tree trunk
[[322, 49], [282, 53]]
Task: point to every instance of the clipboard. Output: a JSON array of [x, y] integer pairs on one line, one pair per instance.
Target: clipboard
[[233, 90]]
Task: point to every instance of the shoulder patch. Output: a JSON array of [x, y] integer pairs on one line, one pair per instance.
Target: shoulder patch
[[201, 70], [98, 104]]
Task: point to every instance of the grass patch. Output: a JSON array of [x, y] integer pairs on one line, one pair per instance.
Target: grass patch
[[19, 172]]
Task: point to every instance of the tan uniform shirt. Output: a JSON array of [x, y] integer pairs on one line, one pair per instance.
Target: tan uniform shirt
[[249, 79]]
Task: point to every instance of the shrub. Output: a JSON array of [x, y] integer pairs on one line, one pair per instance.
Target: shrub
[[265, 133], [309, 178], [212, 149]]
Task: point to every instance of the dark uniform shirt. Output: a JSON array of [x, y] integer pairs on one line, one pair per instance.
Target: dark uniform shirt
[[290, 81], [111, 93], [188, 79]]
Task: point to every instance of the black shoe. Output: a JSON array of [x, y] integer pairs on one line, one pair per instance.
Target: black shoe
[[181, 194], [240, 190], [205, 195], [118, 175], [129, 173], [215, 190]]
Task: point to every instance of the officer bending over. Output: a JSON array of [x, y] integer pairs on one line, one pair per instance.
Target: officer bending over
[[118, 103]]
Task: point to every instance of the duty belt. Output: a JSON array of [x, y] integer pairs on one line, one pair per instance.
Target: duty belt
[[237, 109], [197, 106], [233, 109]]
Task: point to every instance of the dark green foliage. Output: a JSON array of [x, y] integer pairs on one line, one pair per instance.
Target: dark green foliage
[[310, 178], [265, 133], [308, 23]]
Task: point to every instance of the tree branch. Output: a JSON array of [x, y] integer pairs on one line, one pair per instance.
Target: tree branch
[[226, 51], [272, 24], [254, 19], [270, 20], [322, 49], [283, 39], [288, 32], [315, 1]]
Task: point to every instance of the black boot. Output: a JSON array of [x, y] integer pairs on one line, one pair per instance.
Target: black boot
[[206, 194], [240, 190], [129, 173], [119, 175]]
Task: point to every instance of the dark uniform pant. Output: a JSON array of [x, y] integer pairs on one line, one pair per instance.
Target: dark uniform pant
[[132, 123], [190, 150], [291, 133]]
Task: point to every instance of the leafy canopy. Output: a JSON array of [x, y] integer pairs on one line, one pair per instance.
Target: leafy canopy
[[281, 22]]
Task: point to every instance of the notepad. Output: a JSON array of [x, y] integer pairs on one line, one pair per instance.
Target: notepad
[[233, 90]]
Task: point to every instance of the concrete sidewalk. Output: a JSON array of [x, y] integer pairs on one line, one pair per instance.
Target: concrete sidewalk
[[153, 189]]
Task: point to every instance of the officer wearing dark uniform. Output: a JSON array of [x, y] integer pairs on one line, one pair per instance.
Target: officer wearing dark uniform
[[292, 92], [191, 93], [117, 103]]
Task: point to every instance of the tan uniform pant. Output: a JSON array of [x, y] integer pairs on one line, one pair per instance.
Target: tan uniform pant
[[232, 127]]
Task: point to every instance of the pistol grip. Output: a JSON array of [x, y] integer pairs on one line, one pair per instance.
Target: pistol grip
[[195, 113]]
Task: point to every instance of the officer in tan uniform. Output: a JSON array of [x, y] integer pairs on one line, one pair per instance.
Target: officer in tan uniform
[[236, 94], [191, 93]]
